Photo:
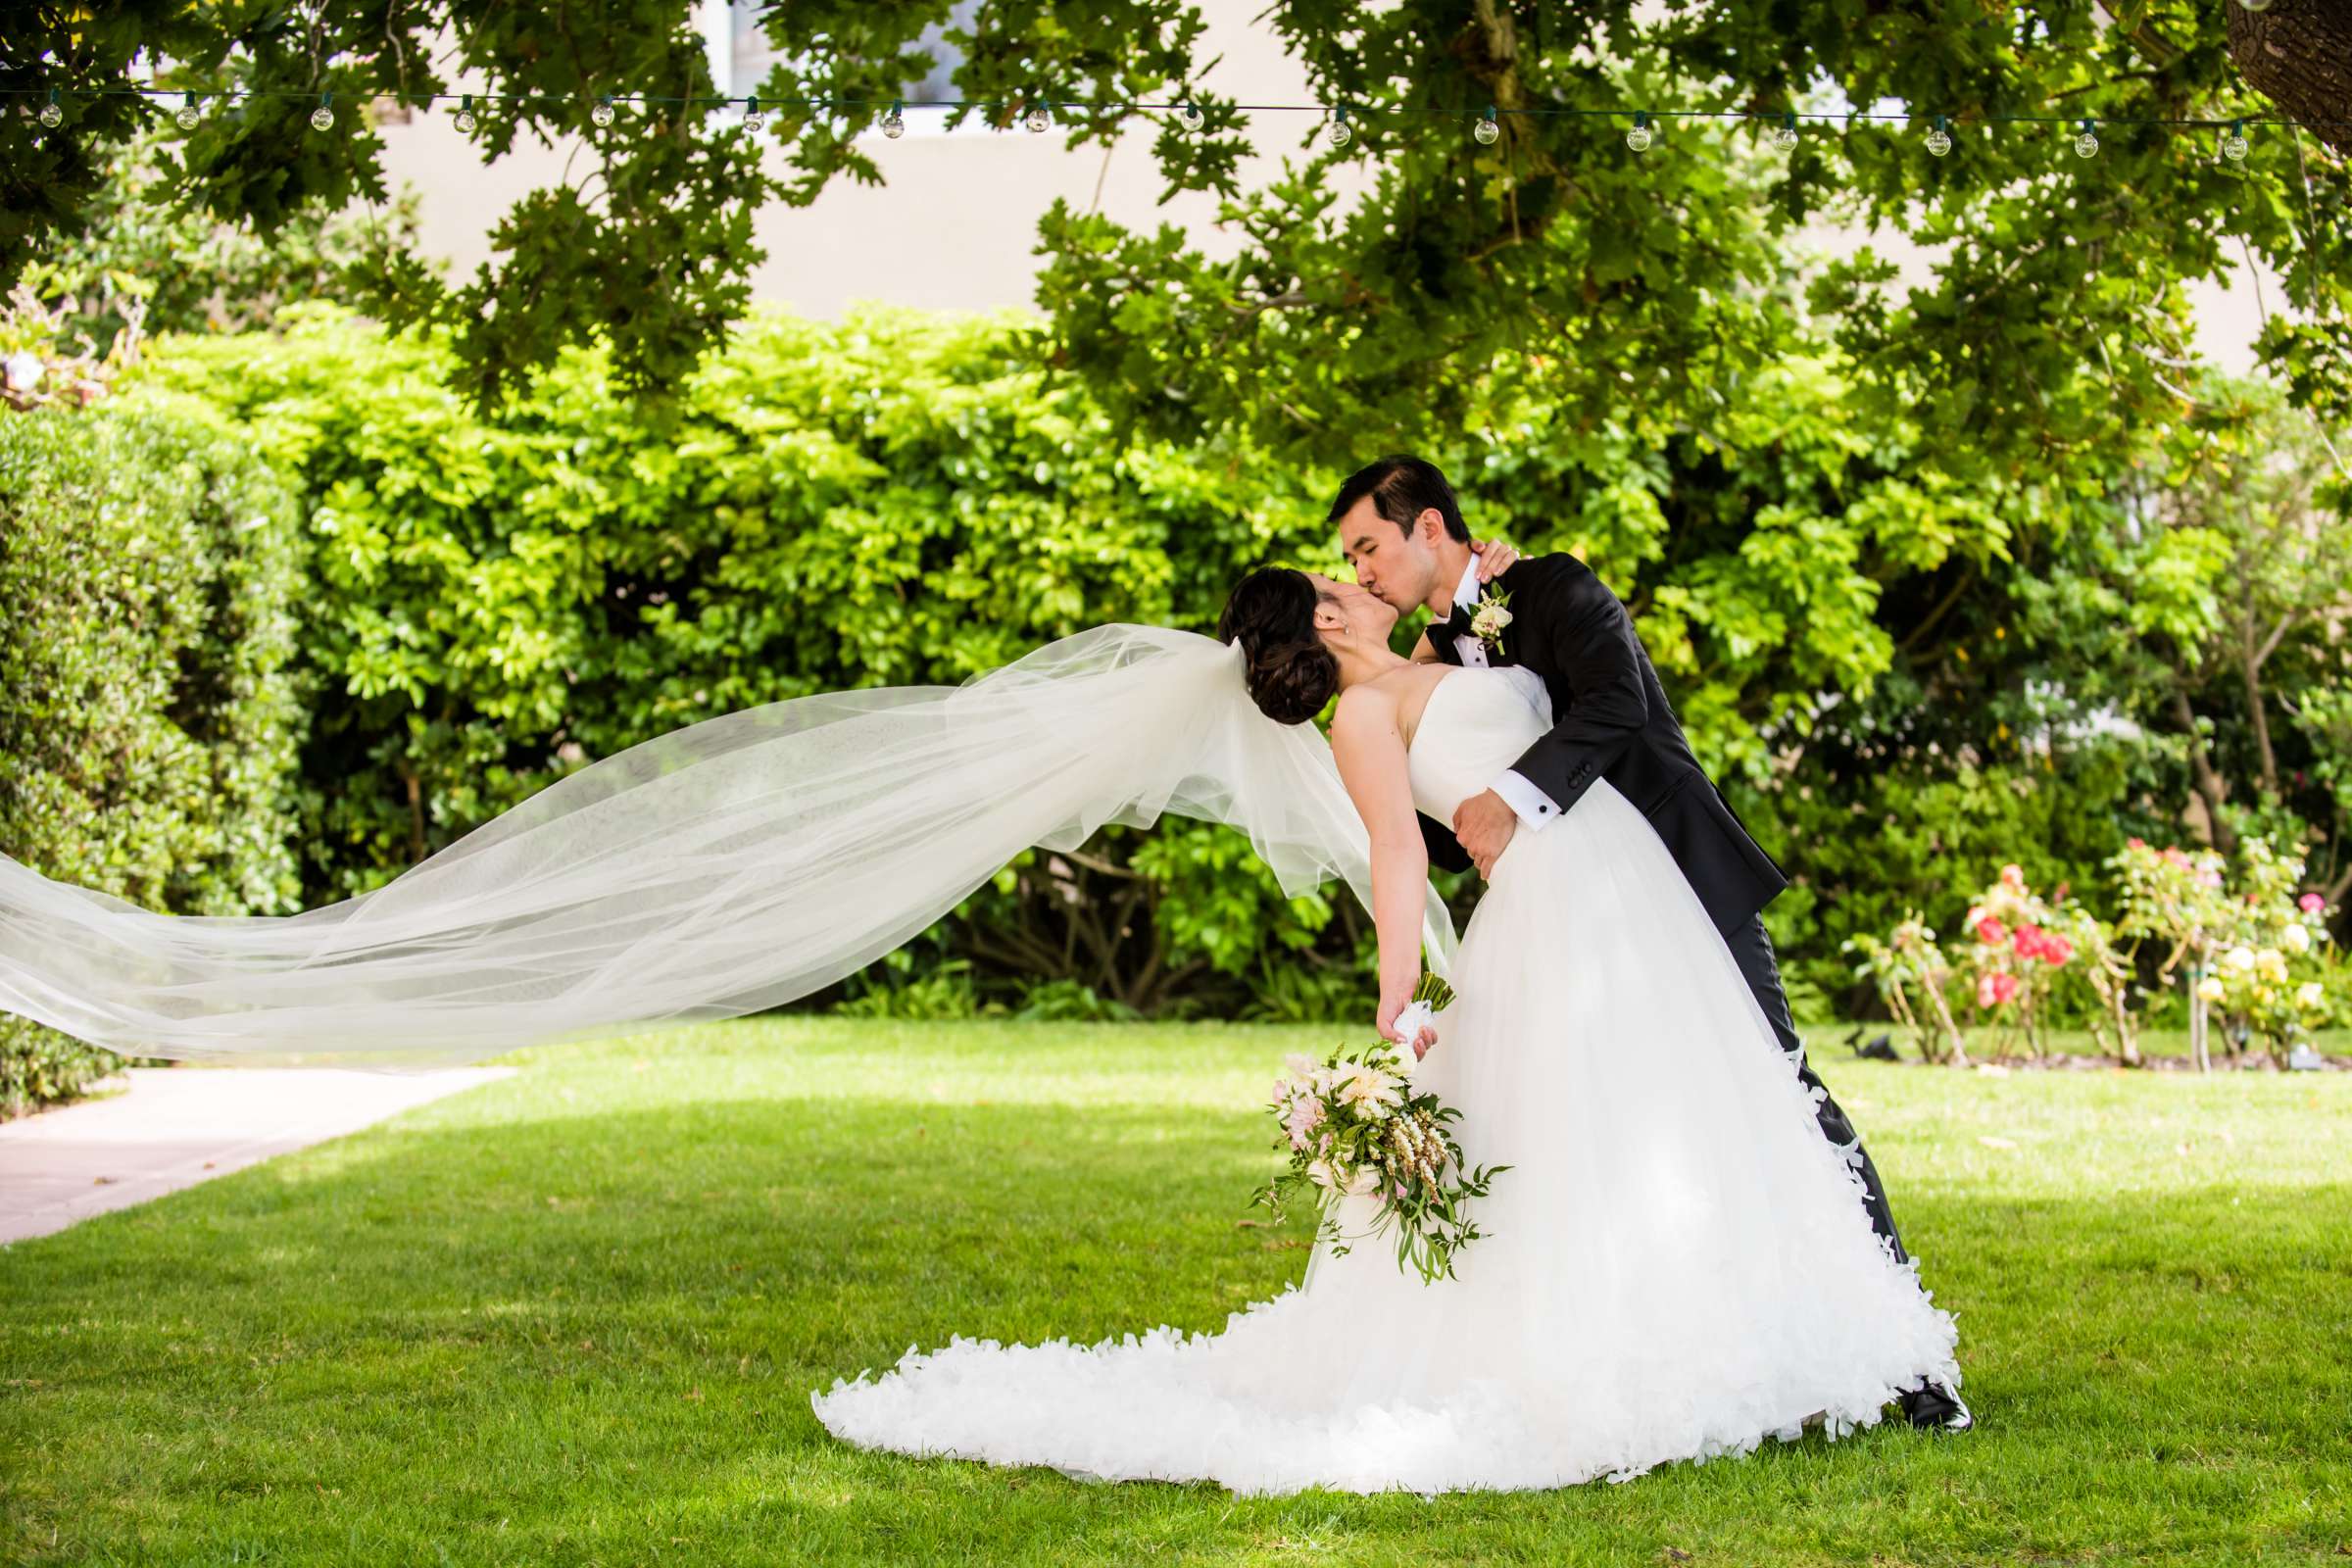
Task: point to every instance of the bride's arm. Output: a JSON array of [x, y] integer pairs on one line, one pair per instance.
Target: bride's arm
[[1369, 746]]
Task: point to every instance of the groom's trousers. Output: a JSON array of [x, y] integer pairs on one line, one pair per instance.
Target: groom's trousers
[[1752, 945]]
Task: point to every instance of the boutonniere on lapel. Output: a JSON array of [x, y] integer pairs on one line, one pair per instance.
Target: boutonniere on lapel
[[1493, 612]]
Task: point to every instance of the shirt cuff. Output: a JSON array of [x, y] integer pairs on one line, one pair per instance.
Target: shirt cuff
[[1535, 809]]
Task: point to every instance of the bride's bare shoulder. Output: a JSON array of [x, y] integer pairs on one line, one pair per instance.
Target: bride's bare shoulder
[[1366, 706], [1390, 701]]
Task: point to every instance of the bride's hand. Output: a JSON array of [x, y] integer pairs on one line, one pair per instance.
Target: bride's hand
[[1384, 1021], [1494, 558]]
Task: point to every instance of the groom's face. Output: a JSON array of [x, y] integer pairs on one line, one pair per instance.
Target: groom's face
[[1397, 564]]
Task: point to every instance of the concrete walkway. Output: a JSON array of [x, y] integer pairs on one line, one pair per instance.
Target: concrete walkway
[[177, 1126]]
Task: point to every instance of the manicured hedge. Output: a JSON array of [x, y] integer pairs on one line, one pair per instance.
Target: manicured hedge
[[149, 715]]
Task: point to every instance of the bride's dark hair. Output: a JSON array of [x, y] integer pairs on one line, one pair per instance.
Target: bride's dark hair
[[1271, 613]]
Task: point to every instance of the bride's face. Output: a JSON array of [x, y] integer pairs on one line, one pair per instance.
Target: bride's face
[[1345, 611]]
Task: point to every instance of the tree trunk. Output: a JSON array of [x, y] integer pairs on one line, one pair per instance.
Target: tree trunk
[[2299, 55], [2209, 784], [415, 812], [2261, 720]]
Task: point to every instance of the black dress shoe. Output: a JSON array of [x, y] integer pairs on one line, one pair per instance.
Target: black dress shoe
[[1933, 1408]]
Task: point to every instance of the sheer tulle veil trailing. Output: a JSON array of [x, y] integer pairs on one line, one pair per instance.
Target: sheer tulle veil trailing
[[729, 866]]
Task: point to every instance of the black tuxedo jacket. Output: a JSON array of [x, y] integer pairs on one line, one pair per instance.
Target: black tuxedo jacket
[[1611, 721]]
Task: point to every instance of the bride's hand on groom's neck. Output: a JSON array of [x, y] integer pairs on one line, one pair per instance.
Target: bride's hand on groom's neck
[[1494, 558]]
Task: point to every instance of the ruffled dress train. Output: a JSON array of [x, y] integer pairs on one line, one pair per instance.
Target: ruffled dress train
[[1676, 1266]]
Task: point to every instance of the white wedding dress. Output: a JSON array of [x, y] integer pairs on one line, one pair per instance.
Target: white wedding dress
[[1676, 1264]]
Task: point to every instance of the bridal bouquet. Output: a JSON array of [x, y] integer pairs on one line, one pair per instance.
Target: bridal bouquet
[[1352, 1126]]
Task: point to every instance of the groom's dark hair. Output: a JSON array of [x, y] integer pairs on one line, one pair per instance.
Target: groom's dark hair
[[1402, 488]]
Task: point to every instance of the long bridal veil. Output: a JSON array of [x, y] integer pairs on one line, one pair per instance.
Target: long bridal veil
[[729, 866]]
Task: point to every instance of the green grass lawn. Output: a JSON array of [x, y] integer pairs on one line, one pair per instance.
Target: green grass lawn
[[574, 1317]]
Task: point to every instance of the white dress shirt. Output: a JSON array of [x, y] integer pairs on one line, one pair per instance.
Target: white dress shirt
[[1534, 809]]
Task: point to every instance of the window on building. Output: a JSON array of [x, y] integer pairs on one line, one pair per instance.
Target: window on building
[[732, 28]]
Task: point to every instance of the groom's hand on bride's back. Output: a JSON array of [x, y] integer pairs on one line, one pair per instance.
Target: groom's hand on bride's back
[[1485, 823]]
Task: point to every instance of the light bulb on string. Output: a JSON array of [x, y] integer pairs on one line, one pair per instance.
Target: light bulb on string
[[1037, 120], [755, 119], [601, 114], [323, 118], [464, 120], [1341, 135], [1784, 135], [2255, 5], [2234, 144], [51, 114], [1939, 140], [1638, 139], [1489, 130], [1190, 116], [2086, 146], [894, 123], [187, 119]]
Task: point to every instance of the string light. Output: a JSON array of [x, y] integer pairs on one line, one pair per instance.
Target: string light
[[894, 123], [1486, 129], [755, 118]]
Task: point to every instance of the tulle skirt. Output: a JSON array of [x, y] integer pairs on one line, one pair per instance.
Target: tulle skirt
[[1676, 1266]]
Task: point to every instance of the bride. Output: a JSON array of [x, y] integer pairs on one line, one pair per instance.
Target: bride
[[1676, 1265]]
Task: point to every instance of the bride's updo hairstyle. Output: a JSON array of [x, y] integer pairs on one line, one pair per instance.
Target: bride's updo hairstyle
[[1271, 615]]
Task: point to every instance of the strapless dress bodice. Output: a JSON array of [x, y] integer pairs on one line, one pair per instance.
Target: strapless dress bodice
[[1476, 724]]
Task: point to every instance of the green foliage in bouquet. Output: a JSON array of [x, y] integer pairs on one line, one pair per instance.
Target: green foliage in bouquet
[[1353, 1127]]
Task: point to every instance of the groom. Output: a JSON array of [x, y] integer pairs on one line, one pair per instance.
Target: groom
[[1402, 531]]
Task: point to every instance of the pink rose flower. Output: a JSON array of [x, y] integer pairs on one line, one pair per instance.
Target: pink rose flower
[[2310, 904], [1991, 932], [2004, 986], [1986, 994]]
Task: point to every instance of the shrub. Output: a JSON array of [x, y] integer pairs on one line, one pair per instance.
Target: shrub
[[148, 714], [900, 499]]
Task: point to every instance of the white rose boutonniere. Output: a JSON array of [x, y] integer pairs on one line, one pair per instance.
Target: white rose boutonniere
[[1489, 619]]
